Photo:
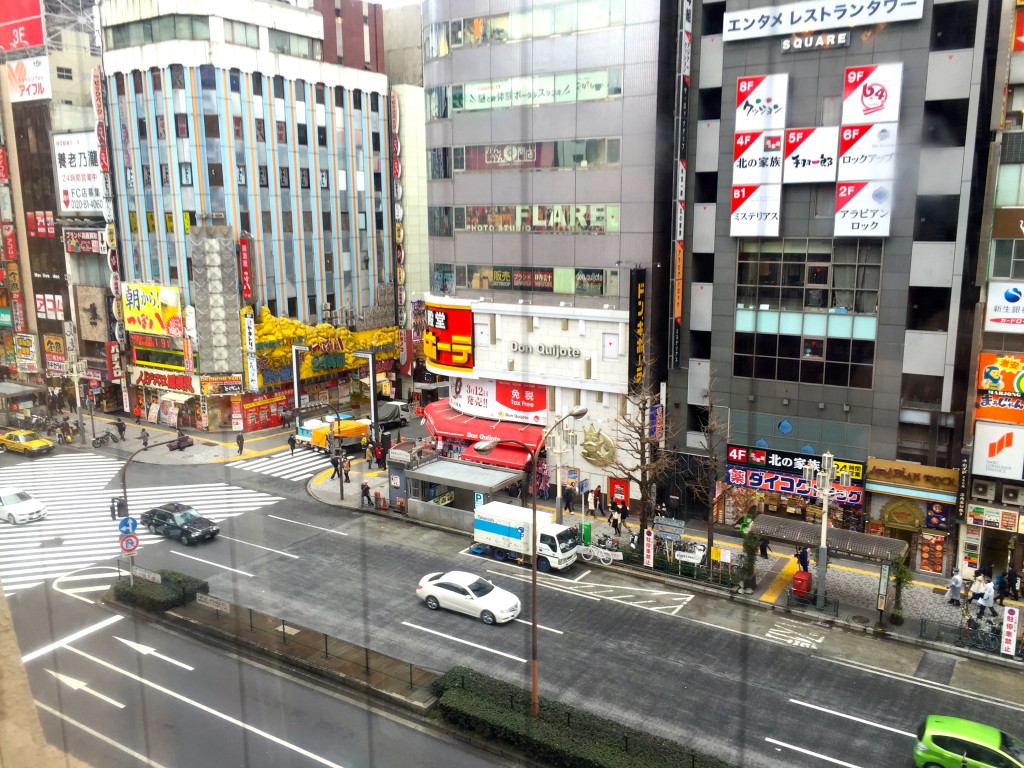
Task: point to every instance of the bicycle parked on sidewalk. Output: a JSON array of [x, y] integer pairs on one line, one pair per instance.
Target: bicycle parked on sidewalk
[[983, 634], [601, 549]]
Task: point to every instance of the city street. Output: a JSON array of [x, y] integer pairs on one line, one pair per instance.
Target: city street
[[754, 687]]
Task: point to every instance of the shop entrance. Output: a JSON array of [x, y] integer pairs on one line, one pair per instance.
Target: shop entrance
[[995, 550]]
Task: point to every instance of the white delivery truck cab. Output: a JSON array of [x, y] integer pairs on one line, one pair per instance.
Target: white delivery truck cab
[[508, 531]]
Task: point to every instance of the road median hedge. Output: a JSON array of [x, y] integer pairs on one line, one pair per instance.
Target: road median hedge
[[175, 589], [563, 735]]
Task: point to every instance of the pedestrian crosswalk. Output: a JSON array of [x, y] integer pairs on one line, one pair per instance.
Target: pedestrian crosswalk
[[77, 531], [302, 464]]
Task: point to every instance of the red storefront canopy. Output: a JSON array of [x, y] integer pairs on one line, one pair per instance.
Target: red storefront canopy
[[504, 455], [443, 421]]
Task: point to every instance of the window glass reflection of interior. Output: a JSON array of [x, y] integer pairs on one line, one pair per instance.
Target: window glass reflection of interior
[[1007, 259]]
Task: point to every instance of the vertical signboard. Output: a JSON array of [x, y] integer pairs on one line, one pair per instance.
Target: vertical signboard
[[249, 341], [637, 327], [243, 256], [79, 181], [683, 113]]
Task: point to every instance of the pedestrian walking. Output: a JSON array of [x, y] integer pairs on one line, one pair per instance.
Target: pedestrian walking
[[955, 589], [764, 548], [617, 521], [346, 466], [1011, 582], [291, 443], [598, 501], [568, 496], [987, 600], [365, 488], [803, 557], [329, 444], [977, 587], [986, 571], [592, 504], [137, 412], [145, 439], [336, 465], [241, 442], [121, 428], [1002, 589], [369, 452], [378, 453]]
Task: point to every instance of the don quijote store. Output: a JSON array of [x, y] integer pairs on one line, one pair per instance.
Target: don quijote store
[[992, 530]]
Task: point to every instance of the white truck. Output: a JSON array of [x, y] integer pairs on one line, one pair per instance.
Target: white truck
[[507, 532]]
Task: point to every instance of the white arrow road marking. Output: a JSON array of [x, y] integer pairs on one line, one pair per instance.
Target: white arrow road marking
[[69, 639], [79, 685], [209, 710], [97, 735], [464, 642], [146, 650]]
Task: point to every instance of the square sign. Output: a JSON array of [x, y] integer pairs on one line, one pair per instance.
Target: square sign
[[871, 94], [755, 210], [867, 152], [863, 209], [811, 155], [761, 102], [757, 157], [1004, 309]]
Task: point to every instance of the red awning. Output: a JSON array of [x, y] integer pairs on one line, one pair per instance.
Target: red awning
[[443, 421], [503, 455]]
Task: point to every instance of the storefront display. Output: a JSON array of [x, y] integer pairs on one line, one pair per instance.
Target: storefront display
[[990, 537]]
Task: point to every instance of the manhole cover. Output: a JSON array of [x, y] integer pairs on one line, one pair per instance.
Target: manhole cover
[[860, 619], [206, 442]]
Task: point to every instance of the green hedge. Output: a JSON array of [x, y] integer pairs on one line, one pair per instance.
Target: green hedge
[[563, 735], [176, 589]]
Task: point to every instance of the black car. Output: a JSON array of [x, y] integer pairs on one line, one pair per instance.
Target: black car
[[179, 521]]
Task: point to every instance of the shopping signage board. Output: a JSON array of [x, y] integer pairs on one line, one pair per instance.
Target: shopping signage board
[[802, 18], [998, 451], [871, 93], [448, 336], [29, 79], [786, 484], [21, 24], [811, 155], [867, 152], [788, 461], [761, 102], [755, 210], [757, 158], [863, 209]]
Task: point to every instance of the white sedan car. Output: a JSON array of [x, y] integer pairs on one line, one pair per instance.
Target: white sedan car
[[470, 594], [16, 506]]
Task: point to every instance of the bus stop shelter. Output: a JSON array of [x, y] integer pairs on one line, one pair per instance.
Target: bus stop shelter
[[446, 491], [851, 544]]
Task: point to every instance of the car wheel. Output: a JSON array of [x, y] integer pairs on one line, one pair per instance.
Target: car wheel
[[11, 520], [432, 603], [543, 565], [499, 554], [184, 539], [152, 529], [487, 617]]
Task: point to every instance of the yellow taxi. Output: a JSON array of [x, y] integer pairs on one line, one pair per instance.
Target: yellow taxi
[[25, 441]]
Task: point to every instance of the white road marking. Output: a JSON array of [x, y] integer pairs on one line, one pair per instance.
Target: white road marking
[[582, 576], [209, 710], [89, 574], [526, 580], [795, 634], [308, 525], [96, 734], [81, 685], [855, 719], [146, 650], [818, 755], [210, 562], [619, 597], [260, 546], [464, 642], [541, 626], [70, 639]]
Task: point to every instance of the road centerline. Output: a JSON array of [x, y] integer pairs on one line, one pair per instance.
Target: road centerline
[[855, 719], [210, 562], [70, 638], [308, 525]]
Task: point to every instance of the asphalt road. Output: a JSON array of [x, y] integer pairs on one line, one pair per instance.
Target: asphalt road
[[754, 687]]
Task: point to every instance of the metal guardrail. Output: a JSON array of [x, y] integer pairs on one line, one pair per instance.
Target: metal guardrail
[[985, 638], [720, 577], [810, 600]]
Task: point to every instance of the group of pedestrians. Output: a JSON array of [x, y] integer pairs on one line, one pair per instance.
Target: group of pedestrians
[[984, 590]]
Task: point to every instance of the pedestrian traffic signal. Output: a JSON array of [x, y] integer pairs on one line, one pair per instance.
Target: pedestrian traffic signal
[[118, 506]]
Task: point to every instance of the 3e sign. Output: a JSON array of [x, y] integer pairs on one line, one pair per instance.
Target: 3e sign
[[21, 24]]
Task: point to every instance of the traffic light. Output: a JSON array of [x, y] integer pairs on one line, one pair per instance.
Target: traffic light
[[118, 507]]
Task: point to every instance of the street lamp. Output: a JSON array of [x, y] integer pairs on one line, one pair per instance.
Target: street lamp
[[484, 447], [821, 479]]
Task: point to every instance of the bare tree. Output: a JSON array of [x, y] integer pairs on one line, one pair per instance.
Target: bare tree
[[639, 458], [708, 467]]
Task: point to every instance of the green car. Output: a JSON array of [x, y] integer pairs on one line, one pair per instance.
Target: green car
[[949, 742]]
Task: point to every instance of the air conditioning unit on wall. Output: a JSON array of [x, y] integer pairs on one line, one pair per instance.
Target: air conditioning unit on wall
[[983, 490], [1012, 495]]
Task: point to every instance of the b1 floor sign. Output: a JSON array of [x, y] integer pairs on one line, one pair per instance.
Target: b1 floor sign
[[129, 543]]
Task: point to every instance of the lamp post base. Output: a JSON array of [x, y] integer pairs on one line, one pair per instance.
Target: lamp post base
[[822, 570]]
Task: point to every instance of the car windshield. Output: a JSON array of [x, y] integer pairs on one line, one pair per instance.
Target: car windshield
[[1012, 746], [568, 540], [16, 498], [186, 517], [481, 587], [30, 436]]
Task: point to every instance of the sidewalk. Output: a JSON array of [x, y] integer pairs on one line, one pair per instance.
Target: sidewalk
[[854, 584]]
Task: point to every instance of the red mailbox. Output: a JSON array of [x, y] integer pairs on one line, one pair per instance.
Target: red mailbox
[[802, 584]]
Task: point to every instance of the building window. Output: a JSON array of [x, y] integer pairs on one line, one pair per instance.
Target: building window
[[181, 126], [285, 178], [185, 174], [282, 132], [295, 45], [302, 133], [261, 130], [439, 221], [240, 33], [64, 73]]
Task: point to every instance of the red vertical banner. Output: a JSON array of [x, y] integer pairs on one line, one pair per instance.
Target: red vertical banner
[[243, 256], [4, 174], [618, 490], [10, 243]]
